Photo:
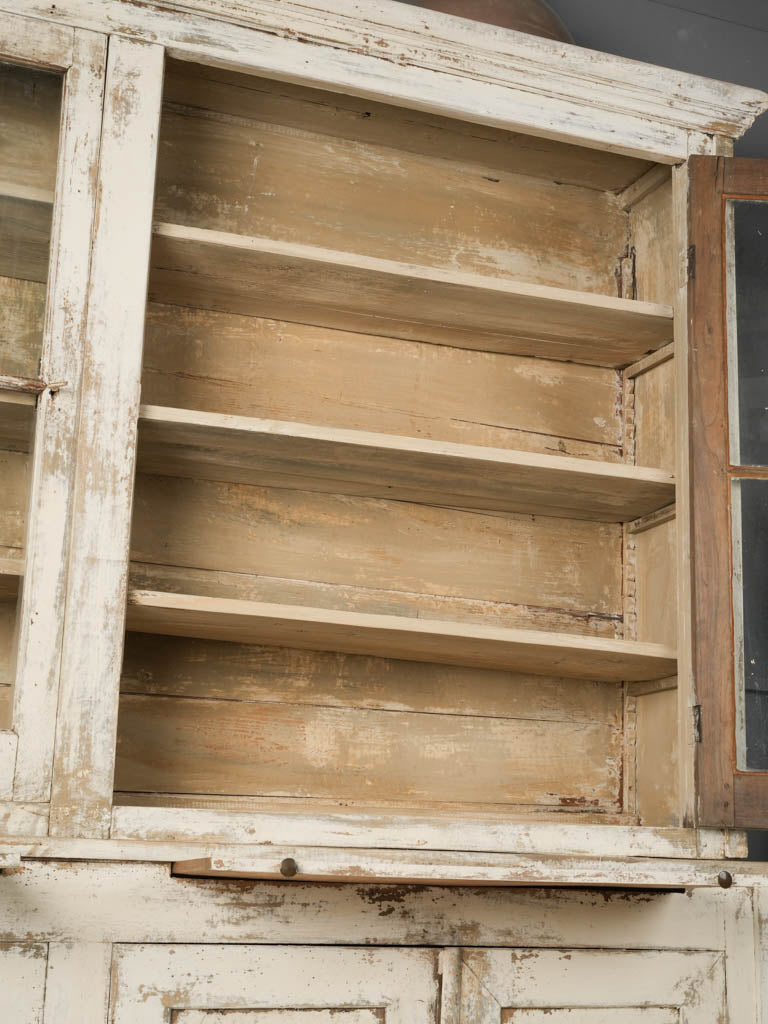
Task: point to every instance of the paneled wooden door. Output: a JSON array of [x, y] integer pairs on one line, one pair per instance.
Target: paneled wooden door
[[562, 986], [205, 984]]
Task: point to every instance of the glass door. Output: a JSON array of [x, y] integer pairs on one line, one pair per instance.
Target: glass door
[[51, 94]]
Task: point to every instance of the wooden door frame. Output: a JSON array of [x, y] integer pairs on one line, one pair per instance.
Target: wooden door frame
[[726, 795], [26, 750]]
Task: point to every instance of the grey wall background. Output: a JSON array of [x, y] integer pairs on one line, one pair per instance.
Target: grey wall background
[[725, 39]]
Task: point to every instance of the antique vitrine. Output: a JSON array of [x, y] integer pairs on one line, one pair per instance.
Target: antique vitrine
[[369, 519]]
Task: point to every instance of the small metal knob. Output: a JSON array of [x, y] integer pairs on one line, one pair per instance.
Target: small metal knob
[[725, 879], [289, 868]]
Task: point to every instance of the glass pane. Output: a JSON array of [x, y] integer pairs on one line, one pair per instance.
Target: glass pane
[[748, 330], [750, 526], [30, 110], [30, 106]]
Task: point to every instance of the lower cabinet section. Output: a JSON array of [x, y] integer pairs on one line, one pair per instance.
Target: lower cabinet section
[[100, 943], [556, 986], [273, 985]]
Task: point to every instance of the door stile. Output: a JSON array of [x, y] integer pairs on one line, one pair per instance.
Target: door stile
[[81, 797], [53, 453]]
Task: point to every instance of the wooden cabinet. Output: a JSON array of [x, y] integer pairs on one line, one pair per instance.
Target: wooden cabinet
[[204, 983], [358, 469], [117, 943]]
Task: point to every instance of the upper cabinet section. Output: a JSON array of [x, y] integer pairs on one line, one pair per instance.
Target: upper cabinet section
[[327, 210]]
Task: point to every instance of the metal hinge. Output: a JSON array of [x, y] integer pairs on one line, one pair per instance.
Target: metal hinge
[[696, 716], [691, 262]]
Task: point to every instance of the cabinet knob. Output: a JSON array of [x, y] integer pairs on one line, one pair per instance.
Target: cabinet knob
[[289, 867], [725, 879]]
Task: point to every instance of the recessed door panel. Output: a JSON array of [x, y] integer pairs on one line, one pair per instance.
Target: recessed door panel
[[206, 984], [565, 986]]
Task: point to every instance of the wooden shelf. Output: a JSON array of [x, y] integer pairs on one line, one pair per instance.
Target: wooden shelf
[[26, 214], [11, 571], [178, 442], [307, 284], [449, 643], [17, 414]]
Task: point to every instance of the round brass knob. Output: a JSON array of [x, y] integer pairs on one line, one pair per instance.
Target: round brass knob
[[725, 879]]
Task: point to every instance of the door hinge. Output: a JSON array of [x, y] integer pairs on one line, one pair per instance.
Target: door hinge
[[696, 716], [691, 262]]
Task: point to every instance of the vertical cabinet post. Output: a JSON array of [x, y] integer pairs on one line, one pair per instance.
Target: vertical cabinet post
[[103, 487]]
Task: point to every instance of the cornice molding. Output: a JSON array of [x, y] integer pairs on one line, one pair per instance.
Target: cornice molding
[[397, 53], [401, 33]]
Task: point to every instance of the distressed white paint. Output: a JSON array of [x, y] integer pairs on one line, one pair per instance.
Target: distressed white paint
[[103, 484], [491, 834], [148, 981], [48, 517], [8, 743], [429, 61], [77, 983], [508, 980], [360, 865], [36, 43], [22, 970]]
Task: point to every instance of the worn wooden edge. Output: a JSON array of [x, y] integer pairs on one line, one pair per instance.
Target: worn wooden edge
[[645, 184], [52, 47], [373, 865], [102, 484], [432, 640], [653, 519], [9, 860], [51, 464], [450, 868], [23, 389], [649, 362], [712, 640], [193, 827], [413, 57], [23, 819], [216, 445]]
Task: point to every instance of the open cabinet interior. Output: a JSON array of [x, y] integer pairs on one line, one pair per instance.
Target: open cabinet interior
[[30, 104], [403, 529]]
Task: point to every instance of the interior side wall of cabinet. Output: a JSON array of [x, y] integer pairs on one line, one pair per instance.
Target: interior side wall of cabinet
[[653, 709], [248, 165]]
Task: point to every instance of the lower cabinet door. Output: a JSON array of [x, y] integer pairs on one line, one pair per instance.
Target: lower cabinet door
[[204, 984], [556, 986], [22, 982]]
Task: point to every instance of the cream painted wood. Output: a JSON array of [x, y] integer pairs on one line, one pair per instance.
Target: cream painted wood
[[22, 981], [249, 450], [150, 982], [111, 902], [430, 640], [490, 833], [500, 986], [275, 947], [77, 983], [53, 452], [361, 865], [103, 484], [41, 44], [329, 1016], [440, 64], [312, 285]]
